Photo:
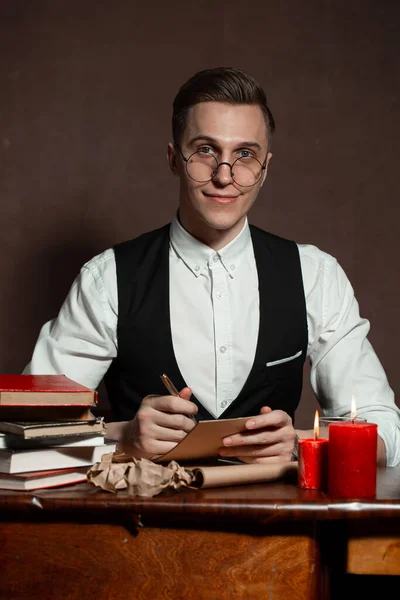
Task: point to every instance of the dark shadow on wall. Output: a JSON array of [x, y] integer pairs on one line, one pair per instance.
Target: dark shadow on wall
[[42, 278]]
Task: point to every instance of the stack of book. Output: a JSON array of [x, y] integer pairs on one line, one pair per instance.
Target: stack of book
[[48, 433]]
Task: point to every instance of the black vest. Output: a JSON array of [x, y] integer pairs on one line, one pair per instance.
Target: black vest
[[145, 347]]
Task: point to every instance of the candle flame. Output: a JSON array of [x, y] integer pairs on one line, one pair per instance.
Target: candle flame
[[353, 412], [316, 425]]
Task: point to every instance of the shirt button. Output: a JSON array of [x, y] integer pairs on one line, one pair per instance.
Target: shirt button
[[219, 295], [223, 404], [197, 268], [232, 267], [222, 349], [215, 258]]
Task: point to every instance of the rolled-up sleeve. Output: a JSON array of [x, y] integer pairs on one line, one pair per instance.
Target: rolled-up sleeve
[[343, 362], [81, 342]]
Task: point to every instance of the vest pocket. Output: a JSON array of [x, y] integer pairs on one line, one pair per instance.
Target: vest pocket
[[281, 361], [284, 371]]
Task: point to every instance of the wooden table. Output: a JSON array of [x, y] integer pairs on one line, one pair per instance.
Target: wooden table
[[246, 542]]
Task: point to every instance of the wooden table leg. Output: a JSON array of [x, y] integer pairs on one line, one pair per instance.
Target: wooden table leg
[[332, 539]]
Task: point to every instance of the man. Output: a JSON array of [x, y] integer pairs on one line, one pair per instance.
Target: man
[[221, 306]]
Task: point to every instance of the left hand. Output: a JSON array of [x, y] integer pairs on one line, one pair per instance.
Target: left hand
[[269, 438]]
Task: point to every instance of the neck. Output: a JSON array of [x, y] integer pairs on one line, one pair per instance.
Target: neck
[[213, 238]]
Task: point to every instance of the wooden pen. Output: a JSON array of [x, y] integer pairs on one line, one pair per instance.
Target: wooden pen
[[172, 390]]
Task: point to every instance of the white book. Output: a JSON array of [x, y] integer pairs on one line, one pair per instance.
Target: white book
[[23, 461], [16, 442], [37, 480]]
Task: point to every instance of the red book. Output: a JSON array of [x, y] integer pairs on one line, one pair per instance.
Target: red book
[[44, 390]]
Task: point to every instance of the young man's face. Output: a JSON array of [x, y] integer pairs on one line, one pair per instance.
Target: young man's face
[[217, 209]]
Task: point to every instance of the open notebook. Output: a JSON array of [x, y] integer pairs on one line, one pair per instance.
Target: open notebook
[[204, 440]]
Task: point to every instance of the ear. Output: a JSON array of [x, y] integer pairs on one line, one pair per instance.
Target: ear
[[264, 177], [172, 159]]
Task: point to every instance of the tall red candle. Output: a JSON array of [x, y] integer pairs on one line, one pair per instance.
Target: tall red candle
[[352, 459], [313, 460]]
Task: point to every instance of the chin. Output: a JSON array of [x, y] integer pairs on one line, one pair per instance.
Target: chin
[[222, 222]]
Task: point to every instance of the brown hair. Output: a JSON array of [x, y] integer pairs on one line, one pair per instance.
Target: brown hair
[[222, 84]]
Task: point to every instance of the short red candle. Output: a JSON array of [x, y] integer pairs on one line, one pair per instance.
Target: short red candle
[[352, 459], [313, 463]]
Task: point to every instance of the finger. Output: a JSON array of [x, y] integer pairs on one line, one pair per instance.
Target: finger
[[274, 418], [165, 434], [185, 393], [173, 421], [161, 447], [259, 437], [171, 404], [265, 409]]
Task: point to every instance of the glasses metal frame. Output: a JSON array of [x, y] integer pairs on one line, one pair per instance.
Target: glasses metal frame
[[263, 166]]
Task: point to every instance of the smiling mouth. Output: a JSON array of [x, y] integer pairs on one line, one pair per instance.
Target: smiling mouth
[[221, 199]]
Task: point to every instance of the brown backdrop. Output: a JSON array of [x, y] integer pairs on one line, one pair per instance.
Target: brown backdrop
[[85, 103]]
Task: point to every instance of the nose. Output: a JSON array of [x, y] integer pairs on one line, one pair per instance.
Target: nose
[[223, 174]]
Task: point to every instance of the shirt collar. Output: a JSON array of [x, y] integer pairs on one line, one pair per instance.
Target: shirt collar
[[197, 256]]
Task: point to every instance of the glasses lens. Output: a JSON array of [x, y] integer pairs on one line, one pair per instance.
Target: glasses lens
[[201, 166], [246, 171]]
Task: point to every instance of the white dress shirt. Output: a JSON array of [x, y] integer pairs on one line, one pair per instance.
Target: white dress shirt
[[214, 305]]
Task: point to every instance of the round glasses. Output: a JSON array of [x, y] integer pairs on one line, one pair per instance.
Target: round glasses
[[202, 167]]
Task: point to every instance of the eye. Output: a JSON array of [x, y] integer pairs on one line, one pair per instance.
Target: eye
[[205, 150], [245, 154]]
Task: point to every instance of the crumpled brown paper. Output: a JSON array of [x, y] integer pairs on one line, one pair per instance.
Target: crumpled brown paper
[[139, 477]]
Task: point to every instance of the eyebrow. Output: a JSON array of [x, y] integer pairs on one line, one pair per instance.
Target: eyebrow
[[211, 140]]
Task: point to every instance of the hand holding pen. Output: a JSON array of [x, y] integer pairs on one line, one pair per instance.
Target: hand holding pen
[[161, 422], [172, 390]]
